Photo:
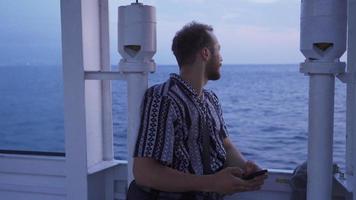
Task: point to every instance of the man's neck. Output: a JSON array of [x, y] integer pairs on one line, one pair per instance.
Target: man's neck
[[195, 77]]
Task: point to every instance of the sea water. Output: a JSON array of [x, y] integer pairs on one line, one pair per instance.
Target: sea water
[[265, 108]]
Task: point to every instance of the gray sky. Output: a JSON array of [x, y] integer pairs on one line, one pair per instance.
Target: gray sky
[[250, 31]]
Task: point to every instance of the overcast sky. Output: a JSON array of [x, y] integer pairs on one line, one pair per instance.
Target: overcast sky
[[249, 31]]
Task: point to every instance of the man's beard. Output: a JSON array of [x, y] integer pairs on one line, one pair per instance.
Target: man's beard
[[212, 70]]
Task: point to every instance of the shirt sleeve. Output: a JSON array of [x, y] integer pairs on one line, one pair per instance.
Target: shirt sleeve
[[156, 133], [223, 129]]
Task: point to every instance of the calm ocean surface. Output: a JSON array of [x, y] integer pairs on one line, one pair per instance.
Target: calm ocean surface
[[265, 107]]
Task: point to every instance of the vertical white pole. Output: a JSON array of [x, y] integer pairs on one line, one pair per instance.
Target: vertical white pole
[[74, 100], [108, 152], [320, 139], [137, 84]]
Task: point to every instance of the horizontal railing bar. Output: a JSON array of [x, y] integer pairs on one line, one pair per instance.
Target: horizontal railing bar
[[104, 75], [35, 153]]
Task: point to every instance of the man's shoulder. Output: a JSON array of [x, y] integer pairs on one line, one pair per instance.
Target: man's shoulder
[[211, 94], [160, 90]]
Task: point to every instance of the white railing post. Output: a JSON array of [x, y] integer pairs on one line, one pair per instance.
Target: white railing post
[[108, 150], [137, 84], [74, 100]]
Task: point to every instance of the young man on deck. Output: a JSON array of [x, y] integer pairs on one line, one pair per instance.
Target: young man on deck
[[183, 150]]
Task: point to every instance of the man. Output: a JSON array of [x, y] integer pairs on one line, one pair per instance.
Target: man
[[183, 149]]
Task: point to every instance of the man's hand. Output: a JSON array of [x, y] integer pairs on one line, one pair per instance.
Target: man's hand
[[228, 181], [251, 167]]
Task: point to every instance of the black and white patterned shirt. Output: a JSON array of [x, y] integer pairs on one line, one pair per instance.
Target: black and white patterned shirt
[[173, 120]]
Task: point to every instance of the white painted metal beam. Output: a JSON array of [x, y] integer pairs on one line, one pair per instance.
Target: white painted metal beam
[[74, 100], [137, 84], [103, 165], [108, 150], [93, 89], [88, 104], [320, 137], [104, 75]]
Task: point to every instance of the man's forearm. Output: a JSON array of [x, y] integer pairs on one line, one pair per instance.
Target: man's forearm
[[234, 158], [150, 173]]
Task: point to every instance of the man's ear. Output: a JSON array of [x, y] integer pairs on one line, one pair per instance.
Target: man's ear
[[205, 54]]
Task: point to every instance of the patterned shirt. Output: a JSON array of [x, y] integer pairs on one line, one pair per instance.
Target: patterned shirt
[[173, 120]]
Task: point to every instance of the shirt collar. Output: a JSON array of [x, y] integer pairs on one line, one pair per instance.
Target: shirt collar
[[187, 86]]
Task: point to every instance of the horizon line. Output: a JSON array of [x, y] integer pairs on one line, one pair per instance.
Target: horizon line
[[158, 64]]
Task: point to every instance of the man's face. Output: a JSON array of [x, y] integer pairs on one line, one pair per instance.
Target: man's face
[[214, 63]]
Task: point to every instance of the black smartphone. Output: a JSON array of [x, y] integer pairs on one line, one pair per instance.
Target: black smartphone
[[253, 175]]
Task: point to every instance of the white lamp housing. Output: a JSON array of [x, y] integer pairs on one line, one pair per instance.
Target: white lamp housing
[[137, 33], [323, 29]]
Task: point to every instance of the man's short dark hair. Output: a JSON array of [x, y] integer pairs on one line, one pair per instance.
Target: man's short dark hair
[[189, 40]]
